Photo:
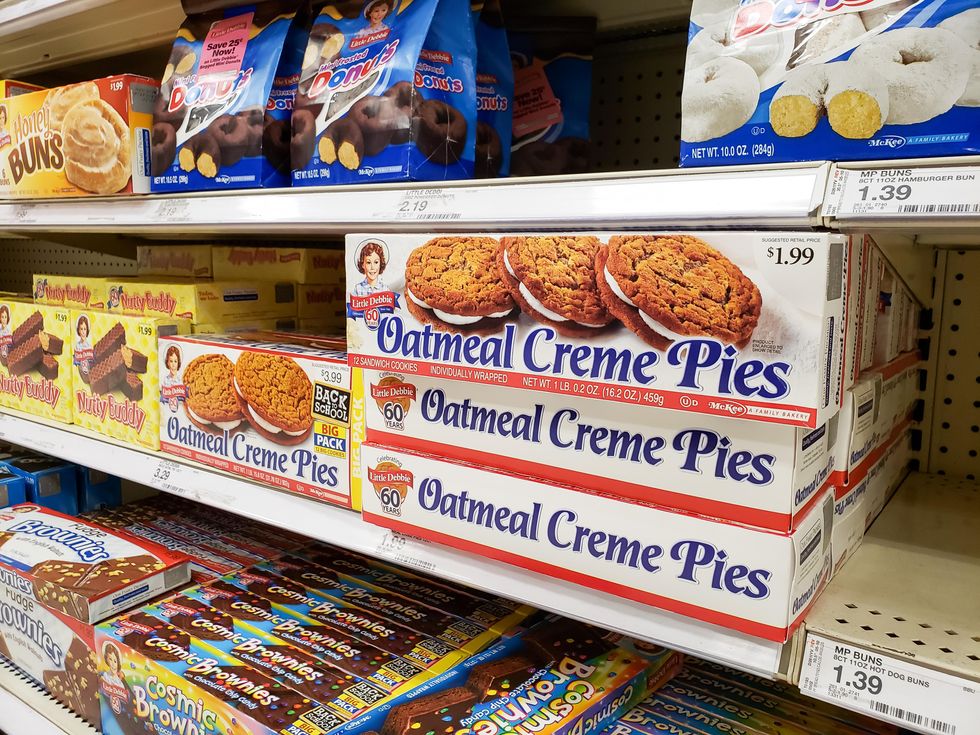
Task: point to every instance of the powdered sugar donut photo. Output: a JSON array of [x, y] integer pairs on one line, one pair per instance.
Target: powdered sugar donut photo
[[719, 97], [822, 37], [966, 25], [926, 70], [715, 41], [707, 13]]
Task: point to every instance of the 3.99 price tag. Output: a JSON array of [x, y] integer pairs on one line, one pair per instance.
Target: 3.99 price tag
[[888, 688], [947, 192]]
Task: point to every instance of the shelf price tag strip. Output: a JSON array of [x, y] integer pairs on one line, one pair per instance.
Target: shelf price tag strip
[[884, 192], [889, 688]]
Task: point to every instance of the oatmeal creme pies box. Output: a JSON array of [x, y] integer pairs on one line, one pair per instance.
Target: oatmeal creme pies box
[[299, 265], [79, 140], [747, 579], [768, 476], [199, 300], [174, 259], [114, 373], [266, 406], [736, 324], [35, 359]]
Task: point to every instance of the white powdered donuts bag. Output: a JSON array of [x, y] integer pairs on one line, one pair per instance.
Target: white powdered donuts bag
[[772, 81]]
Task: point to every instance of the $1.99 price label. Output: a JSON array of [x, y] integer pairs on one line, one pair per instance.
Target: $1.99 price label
[[889, 689]]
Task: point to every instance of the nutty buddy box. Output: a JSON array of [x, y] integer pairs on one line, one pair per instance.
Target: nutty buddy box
[[88, 138], [271, 408], [114, 373], [747, 579], [35, 359], [744, 324]]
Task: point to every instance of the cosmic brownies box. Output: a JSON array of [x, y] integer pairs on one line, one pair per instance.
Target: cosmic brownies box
[[114, 373], [58, 575], [747, 579], [88, 138], [35, 359], [267, 407], [221, 119], [387, 92], [743, 324]]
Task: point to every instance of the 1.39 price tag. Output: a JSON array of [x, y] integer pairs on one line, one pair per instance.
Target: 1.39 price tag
[[939, 191]]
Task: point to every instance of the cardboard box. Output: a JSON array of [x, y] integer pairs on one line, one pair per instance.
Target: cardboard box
[[299, 265], [13, 88], [790, 320], [750, 580], [97, 489], [200, 301], [74, 292], [174, 259], [295, 431], [325, 302], [234, 326], [86, 139], [115, 374], [767, 476], [58, 576], [50, 482], [13, 489], [35, 359]]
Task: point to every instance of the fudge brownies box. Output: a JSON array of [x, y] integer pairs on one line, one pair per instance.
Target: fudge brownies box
[[79, 140], [174, 259], [769, 476], [771, 81], [58, 576], [738, 324], [200, 301], [114, 373], [266, 406], [750, 580], [73, 292], [299, 265], [35, 359]]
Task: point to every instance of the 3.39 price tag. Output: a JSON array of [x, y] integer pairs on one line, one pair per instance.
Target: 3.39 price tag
[[888, 688]]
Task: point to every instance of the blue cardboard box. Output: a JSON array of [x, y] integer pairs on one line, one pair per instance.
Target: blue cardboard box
[[97, 489], [13, 489], [49, 481]]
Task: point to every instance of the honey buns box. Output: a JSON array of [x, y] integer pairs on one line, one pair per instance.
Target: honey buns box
[[272, 407], [79, 140], [59, 575], [777, 80], [736, 324], [114, 373], [35, 359]]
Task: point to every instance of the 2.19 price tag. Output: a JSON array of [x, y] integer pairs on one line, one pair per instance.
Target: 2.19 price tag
[[888, 688], [947, 192]]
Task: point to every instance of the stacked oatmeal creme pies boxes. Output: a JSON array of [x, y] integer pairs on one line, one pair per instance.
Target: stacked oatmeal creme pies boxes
[[78, 140], [58, 577], [563, 459], [273, 407]]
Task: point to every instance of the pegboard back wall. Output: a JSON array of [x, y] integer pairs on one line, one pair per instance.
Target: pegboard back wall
[[955, 436], [21, 259], [636, 103]]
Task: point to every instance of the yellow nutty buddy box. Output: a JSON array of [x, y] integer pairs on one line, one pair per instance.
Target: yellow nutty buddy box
[[114, 373], [35, 358], [301, 265], [78, 140], [72, 292]]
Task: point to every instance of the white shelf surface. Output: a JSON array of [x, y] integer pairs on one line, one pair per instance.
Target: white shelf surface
[[345, 528], [777, 196], [26, 709]]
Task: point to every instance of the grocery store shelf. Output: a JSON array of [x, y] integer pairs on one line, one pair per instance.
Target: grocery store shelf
[[910, 593], [778, 196], [25, 709], [346, 529]]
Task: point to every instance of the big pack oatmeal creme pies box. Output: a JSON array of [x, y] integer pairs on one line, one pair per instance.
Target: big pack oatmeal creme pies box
[[200, 301], [174, 259], [83, 139], [747, 579], [35, 359], [778, 80], [768, 476], [299, 265], [736, 324], [268, 407], [72, 292], [58, 576], [114, 373]]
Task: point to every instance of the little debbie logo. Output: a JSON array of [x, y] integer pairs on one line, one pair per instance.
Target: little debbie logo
[[391, 484]]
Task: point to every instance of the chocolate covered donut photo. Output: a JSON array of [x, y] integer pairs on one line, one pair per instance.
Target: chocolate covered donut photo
[[163, 147], [440, 131], [376, 118]]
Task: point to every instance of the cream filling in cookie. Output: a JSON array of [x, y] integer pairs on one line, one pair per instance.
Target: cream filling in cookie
[[455, 319], [223, 425], [537, 305], [271, 428], [649, 320]]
